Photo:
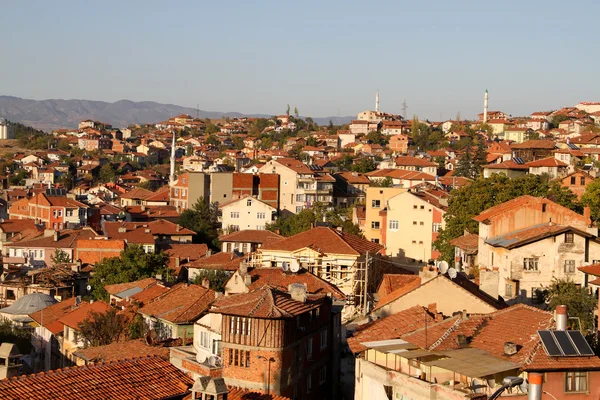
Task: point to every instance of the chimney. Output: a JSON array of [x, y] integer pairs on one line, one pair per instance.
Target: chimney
[[298, 291], [461, 340], [178, 228], [209, 253], [587, 214], [510, 348], [247, 280], [177, 262], [243, 268], [56, 236], [561, 318], [206, 283], [534, 390]]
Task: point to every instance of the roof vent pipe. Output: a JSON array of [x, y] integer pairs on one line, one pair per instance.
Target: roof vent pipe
[[561, 318]]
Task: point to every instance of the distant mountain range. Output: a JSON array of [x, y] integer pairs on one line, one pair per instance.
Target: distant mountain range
[[55, 113]]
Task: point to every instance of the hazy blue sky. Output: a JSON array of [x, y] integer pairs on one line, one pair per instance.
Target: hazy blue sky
[[325, 57]]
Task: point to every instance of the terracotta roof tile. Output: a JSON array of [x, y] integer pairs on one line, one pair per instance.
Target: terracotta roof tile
[[81, 312], [120, 287], [115, 351], [266, 302], [49, 316], [182, 304], [219, 261], [275, 277], [414, 161], [250, 236], [467, 243], [593, 269], [326, 240], [409, 283], [391, 327], [391, 282], [547, 162], [243, 394], [147, 377]]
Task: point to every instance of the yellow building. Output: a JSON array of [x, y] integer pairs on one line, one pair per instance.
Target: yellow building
[[376, 201]]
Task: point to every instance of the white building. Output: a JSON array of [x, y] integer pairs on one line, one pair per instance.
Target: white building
[[6, 130], [246, 213]]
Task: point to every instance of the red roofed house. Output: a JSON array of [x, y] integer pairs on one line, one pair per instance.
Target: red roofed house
[[293, 336], [330, 254], [550, 166], [172, 314], [527, 242], [246, 241], [577, 182], [55, 212], [446, 359]]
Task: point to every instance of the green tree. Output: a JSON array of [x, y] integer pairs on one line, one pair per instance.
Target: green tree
[[363, 165], [100, 329], [216, 278], [557, 119], [202, 218], [385, 182], [376, 138], [212, 139], [238, 143], [67, 181], [580, 302], [311, 141], [189, 150], [296, 112], [466, 202], [296, 223], [107, 174], [591, 198], [211, 128], [131, 265], [287, 110], [466, 166], [137, 328], [60, 257], [19, 336], [63, 144]]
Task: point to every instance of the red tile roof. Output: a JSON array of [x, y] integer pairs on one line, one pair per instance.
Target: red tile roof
[[120, 287], [83, 311], [408, 284], [250, 236], [182, 304], [266, 302], [468, 243], [66, 239], [532, 234], [326, 240], [593, 269], [391, 327], [49, 316], [147, 378], [535, 144], [391, 282], [219, 261], [275, 277], [414, 161], [547, 162], [243, 394], [116, 351]]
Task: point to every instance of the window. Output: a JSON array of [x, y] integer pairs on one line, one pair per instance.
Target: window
[[376, 203], [576, 381], [582, 181], [544, 207], [415, 207], [228, 247], [322, 375], [239, 358], [414, 222], [375, 240], [530, 264], [261, 215], [437, 226], [569, 237], [182, 192], [308, 383], [176, 192], [299, 209], [309, 346], [422, 207], [509, 290], [569, 266], [374, 224], [421, 223], [573, 180], [235, 214], [393, 225], [323, 339]]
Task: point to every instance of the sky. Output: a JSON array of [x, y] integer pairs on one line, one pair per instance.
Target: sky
[[327, 58]]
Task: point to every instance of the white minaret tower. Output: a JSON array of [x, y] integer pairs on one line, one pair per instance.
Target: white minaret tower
[[485, 105], [377, 101], [172, 172]]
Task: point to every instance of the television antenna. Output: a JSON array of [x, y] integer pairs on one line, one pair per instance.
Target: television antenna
[[443, 266], [452, 273]]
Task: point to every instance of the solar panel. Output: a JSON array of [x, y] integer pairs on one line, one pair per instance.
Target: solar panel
[[565, 343], [519, 160], [581, 344], [550, 345]]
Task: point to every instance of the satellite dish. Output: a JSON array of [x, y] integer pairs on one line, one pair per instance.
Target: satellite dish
[[285, 266], [443, 266], [88, 287], [212, 361], [294, 266], [151, 337], [524, 387], [452, 273]]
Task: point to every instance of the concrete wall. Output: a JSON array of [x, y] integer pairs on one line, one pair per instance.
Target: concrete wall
[[221, 187], [248, 214], [450, 298], [372, 213]]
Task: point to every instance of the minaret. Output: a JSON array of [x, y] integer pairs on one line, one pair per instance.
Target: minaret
[[377, 101], [485, 106], [172, 173]]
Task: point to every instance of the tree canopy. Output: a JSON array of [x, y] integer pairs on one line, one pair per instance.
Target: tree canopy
[[483, 193], [581, 304], [591, 198], [132, 264], [100, 329], [202, 218], [305, 219]]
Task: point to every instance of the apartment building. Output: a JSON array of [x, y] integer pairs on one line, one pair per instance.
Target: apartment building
[[376, 201], [246, 213], [55, 212], [301, 185]]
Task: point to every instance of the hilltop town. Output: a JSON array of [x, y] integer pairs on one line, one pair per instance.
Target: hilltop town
[[273, 258]]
